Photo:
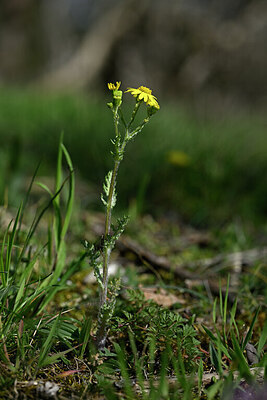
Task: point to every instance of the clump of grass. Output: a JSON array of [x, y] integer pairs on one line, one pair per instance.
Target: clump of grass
[[26, 289]]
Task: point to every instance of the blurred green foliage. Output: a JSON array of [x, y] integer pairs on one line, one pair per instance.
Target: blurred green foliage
[[208, 168]]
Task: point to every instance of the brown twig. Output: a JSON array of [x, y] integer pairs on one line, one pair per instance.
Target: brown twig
[[198, 270]]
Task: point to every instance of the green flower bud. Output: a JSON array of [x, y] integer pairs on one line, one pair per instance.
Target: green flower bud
[[110, 105], [117, 98], [151, 110]]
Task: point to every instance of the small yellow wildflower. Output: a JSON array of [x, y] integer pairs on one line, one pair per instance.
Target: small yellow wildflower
[[113, 86], [178, 158], [144, 93]]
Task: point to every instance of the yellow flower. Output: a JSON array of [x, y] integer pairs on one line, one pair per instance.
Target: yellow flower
[[178, 158], [113, 86], [143, 93]]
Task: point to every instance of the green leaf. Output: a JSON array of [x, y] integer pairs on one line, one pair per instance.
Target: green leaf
[[71, 192], [107, 188], [85, 335], [45, 187], [214, 310], [215, 358], [55, 357], [249, 334], [241, 362], [263, 338], [210, 334], [124, 372], [45, 348], [107, 183], [163, 382], [200, 375], [137, 363], [215, 389]]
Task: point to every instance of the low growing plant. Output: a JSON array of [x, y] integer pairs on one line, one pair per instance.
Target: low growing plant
[[99, 260], [227, 346], [146, 322]]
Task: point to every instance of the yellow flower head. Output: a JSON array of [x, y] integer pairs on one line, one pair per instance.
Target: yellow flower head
[[178, 158], [112, 86], [145, 94]]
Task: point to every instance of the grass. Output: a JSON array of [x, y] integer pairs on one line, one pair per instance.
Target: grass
[[47, 309], [208, 169]]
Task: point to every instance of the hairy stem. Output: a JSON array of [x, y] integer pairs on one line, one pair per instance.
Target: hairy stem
[[107, 250]]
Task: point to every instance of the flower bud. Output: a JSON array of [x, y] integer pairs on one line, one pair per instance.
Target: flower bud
[[151, 110], [110, 105], [117, 98]]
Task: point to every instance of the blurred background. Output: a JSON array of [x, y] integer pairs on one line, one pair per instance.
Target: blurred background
[[204, 155]]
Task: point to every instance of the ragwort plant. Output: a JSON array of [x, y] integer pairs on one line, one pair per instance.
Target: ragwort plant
[[100, 259]]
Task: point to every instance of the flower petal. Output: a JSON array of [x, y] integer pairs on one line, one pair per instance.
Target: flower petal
[[144, 94]]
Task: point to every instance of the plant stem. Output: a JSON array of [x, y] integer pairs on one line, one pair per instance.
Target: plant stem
[[107, 250], [103, 297], [136, 108], [103, 314], [108, 220]]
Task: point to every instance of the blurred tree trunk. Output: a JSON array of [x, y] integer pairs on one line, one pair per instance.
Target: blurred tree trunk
[[86, 64]]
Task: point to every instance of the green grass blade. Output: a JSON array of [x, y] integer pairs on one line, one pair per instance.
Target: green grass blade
[[55, 357], [217, 341], [240, 360], [57, 225], [61, 255], [221, 298], [216, 359], [55, 288], [85, 335], [25, 202], [232, 320], [163, 382], [71, 192], [11, 242], [263, 338], [214, 310], [213, 391], [200, 376], [210, 334], [59, 169], [151, 362], [179, 368], [45, 187], [249, 334], [3, 272], [233, 312], [124, 372], [37, 220], [137, 363], [45, 348], [55, 283], [25, 277], [225, 309]]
